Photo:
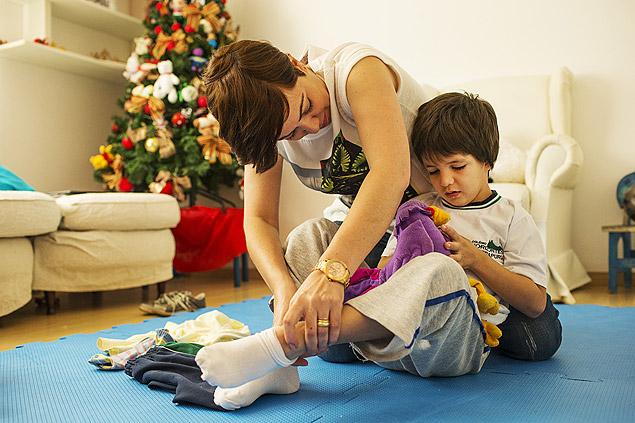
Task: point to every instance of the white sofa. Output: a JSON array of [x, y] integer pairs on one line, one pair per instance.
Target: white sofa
[[104, 241], [534, 118], [23, 214]]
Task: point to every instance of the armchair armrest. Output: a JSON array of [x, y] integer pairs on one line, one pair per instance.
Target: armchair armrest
[[564, 175]]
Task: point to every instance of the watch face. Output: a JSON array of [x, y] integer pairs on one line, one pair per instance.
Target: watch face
[[335, 270]]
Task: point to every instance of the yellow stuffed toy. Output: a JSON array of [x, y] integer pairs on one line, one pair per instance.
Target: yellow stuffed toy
[[487, 303]]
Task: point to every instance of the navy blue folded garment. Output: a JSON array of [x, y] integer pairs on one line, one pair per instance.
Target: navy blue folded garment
[[163, 369]]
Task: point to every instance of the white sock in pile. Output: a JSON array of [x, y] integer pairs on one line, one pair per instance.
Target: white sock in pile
[[234, 363], [280, 381]]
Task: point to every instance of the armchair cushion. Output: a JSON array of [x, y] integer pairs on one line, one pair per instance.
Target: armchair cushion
[[510, 164], [109, 211], [27, 213]]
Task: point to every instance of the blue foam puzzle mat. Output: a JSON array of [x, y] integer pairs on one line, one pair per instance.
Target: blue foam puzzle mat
[[591, 378]]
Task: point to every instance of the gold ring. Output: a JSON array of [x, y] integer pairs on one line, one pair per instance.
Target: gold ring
[[323, 323]]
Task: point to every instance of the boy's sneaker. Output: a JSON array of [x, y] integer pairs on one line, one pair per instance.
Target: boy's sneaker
[[175, 301]]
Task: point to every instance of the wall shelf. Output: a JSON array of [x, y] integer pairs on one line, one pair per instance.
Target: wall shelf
[[95, 16], [67, 61]]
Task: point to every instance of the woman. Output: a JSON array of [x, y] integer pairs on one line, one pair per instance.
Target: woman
[[342, 120]]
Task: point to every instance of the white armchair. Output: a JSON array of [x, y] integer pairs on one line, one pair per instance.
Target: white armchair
[[534, 117]]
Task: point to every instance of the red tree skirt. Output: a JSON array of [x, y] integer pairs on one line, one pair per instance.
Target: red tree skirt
[[208, 238]]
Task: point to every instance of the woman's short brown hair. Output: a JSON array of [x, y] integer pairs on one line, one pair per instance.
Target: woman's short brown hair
[[456, 123], [243, 84]]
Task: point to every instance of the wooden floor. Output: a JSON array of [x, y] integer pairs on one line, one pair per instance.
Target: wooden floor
[[86, 313]]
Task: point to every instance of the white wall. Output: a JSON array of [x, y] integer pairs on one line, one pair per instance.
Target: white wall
[[447, 42]]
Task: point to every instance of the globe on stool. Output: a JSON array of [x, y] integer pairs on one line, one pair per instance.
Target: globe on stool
[[626, 200], [626, 197]]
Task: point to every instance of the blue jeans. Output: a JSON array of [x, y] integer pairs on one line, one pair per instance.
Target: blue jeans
[[530, 339]]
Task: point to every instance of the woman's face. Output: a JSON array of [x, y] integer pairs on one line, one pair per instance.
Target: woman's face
[[309, 106]]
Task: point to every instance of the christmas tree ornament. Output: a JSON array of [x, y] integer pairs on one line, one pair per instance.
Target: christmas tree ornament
[[142, 45], [189, 29], [168, 188], [179, 184], [167, 148], [178, 119], [125, 185], [137, 134], [213, 147], [152, 145], [177, 7], [207, 27], [187, 112], [201, 101], [150, 106], [127, 143], [175, 26], [198, 51], [115, 128], [104, 158], [189, 93], [158, 30], [165, 83], [197, 63], [176, 41], [114, 173]]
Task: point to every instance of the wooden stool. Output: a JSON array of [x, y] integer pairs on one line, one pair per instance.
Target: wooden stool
[[627, 262], [241, 271]]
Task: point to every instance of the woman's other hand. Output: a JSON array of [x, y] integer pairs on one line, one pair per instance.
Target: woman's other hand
[[281, 305], [317, 298]]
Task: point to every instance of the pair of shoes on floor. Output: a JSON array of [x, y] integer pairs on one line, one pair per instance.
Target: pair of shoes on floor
[[173, 302]]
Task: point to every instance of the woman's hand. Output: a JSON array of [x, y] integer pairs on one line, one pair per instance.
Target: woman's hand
[[462, 250], [317, 298]]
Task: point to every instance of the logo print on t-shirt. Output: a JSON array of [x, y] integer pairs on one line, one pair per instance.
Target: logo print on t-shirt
[[492, 250], [344, 172]]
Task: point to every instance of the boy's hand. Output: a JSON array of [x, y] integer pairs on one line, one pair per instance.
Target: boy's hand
[[462, 250]]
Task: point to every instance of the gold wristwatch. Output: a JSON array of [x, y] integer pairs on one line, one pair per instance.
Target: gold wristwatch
[[335, 271]]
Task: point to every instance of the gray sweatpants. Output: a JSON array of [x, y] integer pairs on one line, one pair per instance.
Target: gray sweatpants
[[428, 305]]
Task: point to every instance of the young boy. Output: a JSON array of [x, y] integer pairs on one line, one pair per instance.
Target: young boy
[[494, 239]]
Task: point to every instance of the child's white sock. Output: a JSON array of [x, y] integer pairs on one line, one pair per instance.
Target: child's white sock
[[279, 381], [234, 363]]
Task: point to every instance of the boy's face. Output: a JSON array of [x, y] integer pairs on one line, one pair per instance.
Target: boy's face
[[459, 178], [309, 105]]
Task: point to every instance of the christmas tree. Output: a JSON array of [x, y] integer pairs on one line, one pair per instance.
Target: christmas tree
[[167, 141]]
